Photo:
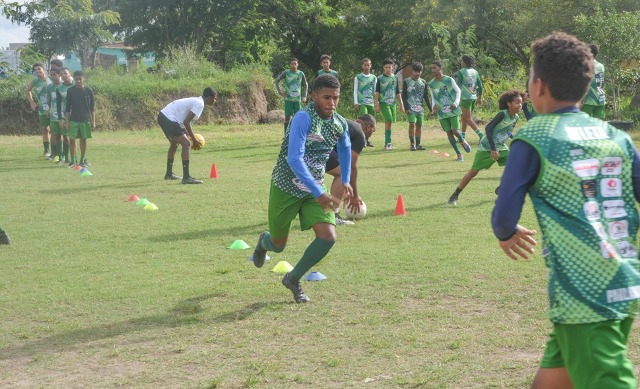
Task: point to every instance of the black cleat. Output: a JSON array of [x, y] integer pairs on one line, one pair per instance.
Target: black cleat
[[295, 288], [191, 180], [4, 238], [172, 177], [260, 253]]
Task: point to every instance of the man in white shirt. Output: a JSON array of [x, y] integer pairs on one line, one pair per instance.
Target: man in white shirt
[[175, 120]]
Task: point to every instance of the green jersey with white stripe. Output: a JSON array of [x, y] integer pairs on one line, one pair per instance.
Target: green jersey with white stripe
[[366, 87], [41, 88], [595, 94], [501, 132], [444, 95]]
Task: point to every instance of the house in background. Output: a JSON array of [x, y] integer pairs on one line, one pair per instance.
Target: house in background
[[109, 55]]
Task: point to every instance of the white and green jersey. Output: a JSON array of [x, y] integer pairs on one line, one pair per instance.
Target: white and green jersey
[[40, 87], [331, 71], [388, 88], [414, 92], [364, 88], [321, 139], [595, 94], [501, 129], [295, 85], [445, 93], [470, 83], [585, 205], [52, 100], [61, 99]]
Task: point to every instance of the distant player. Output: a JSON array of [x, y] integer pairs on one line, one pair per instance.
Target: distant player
[[52, 114], [359, 131], [297, 183], [594, 102], [414, 95], [583, 178], [364, 89], [386, 99], [39, 103], [80, 117], [493, 147], [175, 120], [471, 87], [325, 62], [445, 101], [295, 90], [61, 107]]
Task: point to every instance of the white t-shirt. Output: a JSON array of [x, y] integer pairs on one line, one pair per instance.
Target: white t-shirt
[[177, 111]]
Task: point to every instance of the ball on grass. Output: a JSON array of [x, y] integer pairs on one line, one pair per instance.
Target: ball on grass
[[358, 215]]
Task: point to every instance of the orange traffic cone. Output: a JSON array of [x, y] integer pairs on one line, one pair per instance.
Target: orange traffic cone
[[214, 171], [400, 210]]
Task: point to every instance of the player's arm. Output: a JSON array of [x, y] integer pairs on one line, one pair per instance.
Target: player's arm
[[92, 108], [355, 94], [345, 157], [59, 107], [187, 126], [456, 89], [298, 130], [425, 95], [277, 84], [480, 89], [398, 96], [404, 96], [305, 88], [489, 130], [32, 103], [433, 101], [67, 109], [48, 102], [376, 103]]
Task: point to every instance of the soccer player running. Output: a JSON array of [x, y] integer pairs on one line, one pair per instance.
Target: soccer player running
[[359, 131], [583, 178], [470, 84], [594, 102], [445, 101], [295, 90], [175, 121], [492, 147], [297, 182], [414, 93]]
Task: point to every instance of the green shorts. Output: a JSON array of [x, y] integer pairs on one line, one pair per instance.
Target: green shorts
[[414, 118], [55, 127], [43, 119], [388, 112], [468, 104], [364, 109], [596, 111], [594, 354], [291, 107], [452, 123], [284, 207], [79, 130], [483, 160]]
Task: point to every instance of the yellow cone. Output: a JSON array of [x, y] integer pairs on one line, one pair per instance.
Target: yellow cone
[[151, 207], [282, 267]]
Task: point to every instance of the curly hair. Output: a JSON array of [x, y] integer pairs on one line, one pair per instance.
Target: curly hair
[[564, 63], [326, 81], [468, 60], [508, 97]]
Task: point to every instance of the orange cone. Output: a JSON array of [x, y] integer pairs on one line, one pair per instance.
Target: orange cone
[[400, 210], [214, 171]]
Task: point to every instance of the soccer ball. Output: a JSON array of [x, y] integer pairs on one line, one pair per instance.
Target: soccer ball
[[356, 216], [199, 138]]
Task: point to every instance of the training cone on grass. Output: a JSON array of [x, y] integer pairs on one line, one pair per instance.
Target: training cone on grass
[[239, 245], [400, 210], [315, 276], [151, 207], [434, 151], [134, 198], [444, 155], [77, 167], [282, 267], [214, 171], [142, 202], [86, 173]]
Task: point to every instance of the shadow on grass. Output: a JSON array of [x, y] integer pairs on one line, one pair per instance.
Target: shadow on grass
[[192, 235], [391, 212], [184, 313], [76, 189]]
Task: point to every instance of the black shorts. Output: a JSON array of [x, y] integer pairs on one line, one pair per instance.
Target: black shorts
[[333, 161], [171, 129]]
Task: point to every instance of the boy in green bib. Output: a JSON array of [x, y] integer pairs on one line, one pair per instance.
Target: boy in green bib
[[470, 84], [387, 97], [492, 147], [414, 94], [297, 182], [39, 103], [294, 90], [583, 178]]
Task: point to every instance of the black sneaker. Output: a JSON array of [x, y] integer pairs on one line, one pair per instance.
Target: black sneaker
[[4, 238], [420, 147], [172, 177], [453, 200], [191, 180], [260, 253], [413, 147], [295, 288], [369, 144]]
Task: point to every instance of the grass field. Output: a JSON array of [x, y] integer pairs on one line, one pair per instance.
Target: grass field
[[96, 292]]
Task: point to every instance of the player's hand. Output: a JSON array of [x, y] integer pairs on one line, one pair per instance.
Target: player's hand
[[347, 191], [452, 107], [328, 202], [519, 244], [196, 145], [495, 155], [33, 105], [353, 203]]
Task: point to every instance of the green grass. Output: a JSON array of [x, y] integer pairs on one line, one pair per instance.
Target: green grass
[[96, 292]]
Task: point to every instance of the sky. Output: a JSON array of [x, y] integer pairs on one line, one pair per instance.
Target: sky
[[12, 33]]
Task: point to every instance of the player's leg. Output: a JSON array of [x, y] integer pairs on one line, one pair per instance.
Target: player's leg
[[85, 134], [172, 131], [446, 127], [56, 138], [555, 378], [411, 118], [387, 114], [455, 129], [73, 135], [283, 208], [419, 121], [337, 190], [44, 126], [184, 141]]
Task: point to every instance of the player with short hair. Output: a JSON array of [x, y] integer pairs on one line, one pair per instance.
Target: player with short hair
[[470, 83], [80, 117], [493, 147], [583, 178], [52, 114], [175, 121], [364, 88], [61, 107], [39, 85], [295, 90], [297, 182], [594, 101], [386, 98], [445, 101], [325, 62], [414, 94], [359, 131]]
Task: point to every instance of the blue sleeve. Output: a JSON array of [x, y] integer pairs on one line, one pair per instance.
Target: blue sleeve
[[344, 156], [298, 130], [521, 171], [525, 110], [635, 173]]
